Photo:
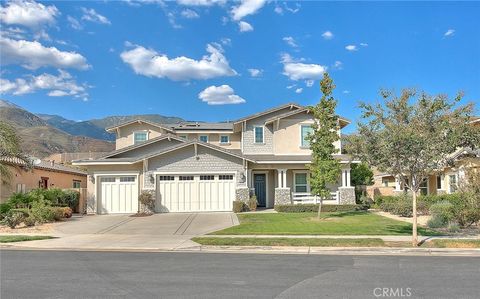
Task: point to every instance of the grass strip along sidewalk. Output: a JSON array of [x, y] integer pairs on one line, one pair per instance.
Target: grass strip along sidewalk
[[329, 242], [21, 238]]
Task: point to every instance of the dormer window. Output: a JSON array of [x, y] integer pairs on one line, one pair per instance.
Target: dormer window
[[258, 134], [140, 136]]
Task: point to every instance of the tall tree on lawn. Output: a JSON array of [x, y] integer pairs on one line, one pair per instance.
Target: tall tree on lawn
[[324, 168], [10, 151], [412, 135]]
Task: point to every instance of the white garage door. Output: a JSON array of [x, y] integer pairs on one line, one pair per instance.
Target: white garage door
[[118, 194], [195, 193]]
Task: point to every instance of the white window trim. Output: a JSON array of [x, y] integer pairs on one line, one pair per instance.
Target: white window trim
[[306, 172], [263, 135], [141, 131], [220, 139], [200, 136], [301, 139]]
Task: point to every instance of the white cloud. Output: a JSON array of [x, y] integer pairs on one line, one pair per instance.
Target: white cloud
[[309, 83], [92, 16], [351, 48], [278, 10], [74, 23], [226, 41], [33, 55], [290, 41], [255, 72], [220, 95], [244, 26], [13, 32], [450, 32], [327, 35], [298, 90], [346, 91], [301, 71], [172, 21], [364, 44], [28, 13], [246, 7], [150, 63], [200, 2], [62, 85], [292, 10], [189, 14], [291, 86], [338, 65]]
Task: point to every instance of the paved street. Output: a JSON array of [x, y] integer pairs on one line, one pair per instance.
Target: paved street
[[67, 274]]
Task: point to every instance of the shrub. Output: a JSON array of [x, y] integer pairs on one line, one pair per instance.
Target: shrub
[[239, 206], [58, 213], [29, 221], [147, 202], [42, 212], [70, 198], [252, 203], [436, 222], [301, 208], [67, 212], [4, 208], [365, 202], [403, 208], [12, 219], [453, 227], [443, 210]]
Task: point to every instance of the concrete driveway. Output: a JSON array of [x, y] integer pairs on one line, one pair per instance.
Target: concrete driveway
[[166, 231]]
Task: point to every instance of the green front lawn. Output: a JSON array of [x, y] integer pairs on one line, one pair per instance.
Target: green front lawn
[[19, 238], [337, 223], [325, 242]]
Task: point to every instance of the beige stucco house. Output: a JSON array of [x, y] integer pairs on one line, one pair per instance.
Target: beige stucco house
[[444, 181], [44, 174], [206, 166]]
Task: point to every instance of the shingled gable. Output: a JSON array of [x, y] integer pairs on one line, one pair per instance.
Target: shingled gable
[[343, 121], [166, 128]]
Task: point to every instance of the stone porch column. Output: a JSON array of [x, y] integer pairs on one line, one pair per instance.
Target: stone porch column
[[346, 193], [282, 192]]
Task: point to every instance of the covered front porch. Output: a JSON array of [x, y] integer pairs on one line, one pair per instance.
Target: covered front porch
[[280, 183]]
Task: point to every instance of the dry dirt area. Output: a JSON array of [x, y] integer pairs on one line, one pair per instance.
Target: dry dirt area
[[421, 220], [22, 229]]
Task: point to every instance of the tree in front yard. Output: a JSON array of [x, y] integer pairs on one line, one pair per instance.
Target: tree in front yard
[[324, 168], [412, 135], [10, 151]]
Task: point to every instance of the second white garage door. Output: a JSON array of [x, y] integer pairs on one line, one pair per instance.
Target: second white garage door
[[118, 194], [195, 193]]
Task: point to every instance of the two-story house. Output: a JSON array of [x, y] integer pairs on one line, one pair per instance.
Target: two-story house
[[206, 166]]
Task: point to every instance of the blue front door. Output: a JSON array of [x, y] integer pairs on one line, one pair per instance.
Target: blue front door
[[260, 185]]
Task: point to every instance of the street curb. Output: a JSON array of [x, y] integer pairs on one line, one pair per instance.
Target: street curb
[[392, 251]]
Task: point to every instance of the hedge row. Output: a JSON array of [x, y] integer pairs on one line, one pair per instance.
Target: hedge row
[[301, 208]]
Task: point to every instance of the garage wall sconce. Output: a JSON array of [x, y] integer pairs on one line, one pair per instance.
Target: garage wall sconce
[[91, 178], [151, 178]]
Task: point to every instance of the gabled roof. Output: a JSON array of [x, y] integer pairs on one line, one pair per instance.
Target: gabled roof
[[138, 145], [291, 105], [46, 165], [139, 121], [302, 110], [203, 126]]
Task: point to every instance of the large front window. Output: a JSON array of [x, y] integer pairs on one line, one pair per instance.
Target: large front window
[[301, 182], [139, 137], [258, 131], [305, 131]]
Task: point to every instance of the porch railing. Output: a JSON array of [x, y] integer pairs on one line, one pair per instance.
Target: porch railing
[[307, 198]]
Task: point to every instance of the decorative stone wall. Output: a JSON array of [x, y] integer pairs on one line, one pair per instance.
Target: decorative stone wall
[[91, 204], [149, 180], [283, 196], [346, 195], [242, 194]]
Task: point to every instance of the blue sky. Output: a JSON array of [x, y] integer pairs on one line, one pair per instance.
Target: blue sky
[[216, 60]]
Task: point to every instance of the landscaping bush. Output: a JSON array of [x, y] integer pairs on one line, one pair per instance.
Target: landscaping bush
[[12, 219], [301, 208], [147, 202], [443, 210], [58, 213], [29, 221], [70, 198], [4, 208], [252, 203], [365, 202], [42, 212], [239, 206], [67, 212], [436, 222]]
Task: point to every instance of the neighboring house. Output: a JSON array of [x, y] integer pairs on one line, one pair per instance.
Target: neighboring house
[[206, 166], [444, 181], [67, 158], [44, 174]]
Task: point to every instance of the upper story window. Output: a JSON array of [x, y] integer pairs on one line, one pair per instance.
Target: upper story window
[[305, 130], [203, 138], [76, 184], [258, 134], [140, 136], [224, 139]]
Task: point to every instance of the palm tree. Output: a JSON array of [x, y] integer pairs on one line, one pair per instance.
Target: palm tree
[[10, 152]]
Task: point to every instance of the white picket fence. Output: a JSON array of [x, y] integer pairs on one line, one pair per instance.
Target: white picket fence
[[307, 198]]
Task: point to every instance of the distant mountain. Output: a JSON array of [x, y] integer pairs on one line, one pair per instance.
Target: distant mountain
[[95, 128], [42, 139], [81, 128]]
